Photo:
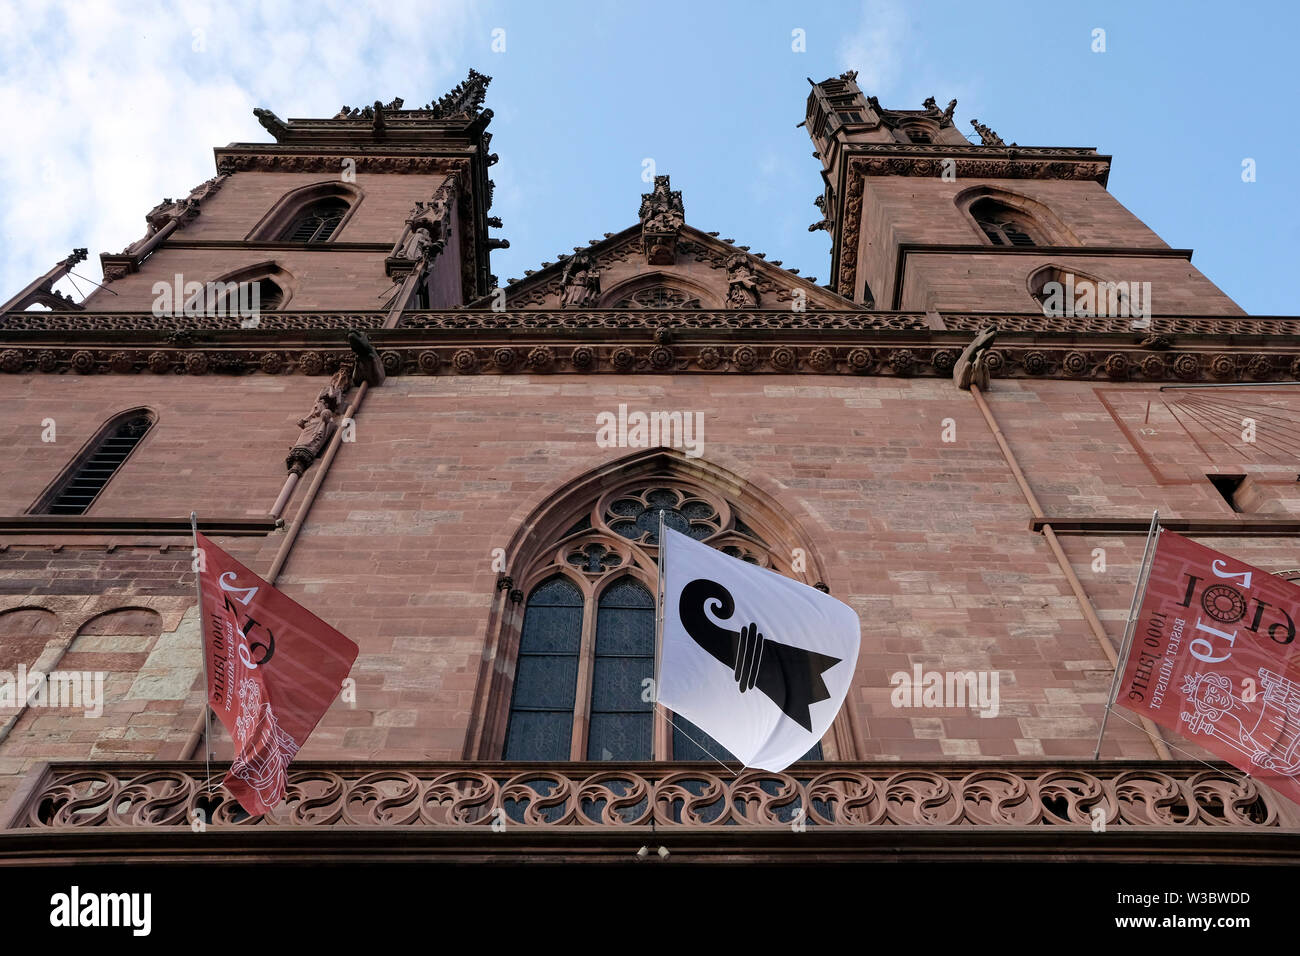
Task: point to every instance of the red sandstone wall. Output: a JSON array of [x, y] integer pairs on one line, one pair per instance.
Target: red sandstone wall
[[906, 209], [928, 540], [330, 280]]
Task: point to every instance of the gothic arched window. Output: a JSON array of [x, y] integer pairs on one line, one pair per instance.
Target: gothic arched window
[[312, 213], [541, 712], [1003, 225], [586, 645], [76, 489], [317, 222]]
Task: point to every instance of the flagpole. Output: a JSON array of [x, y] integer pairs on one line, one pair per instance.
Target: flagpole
[[659, 604], [203, 652], [1139, 592]]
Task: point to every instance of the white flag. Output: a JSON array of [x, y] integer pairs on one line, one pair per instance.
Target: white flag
[[758, 661]]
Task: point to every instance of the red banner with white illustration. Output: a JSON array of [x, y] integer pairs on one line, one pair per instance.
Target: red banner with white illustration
[[274, 668], [1214, 658]]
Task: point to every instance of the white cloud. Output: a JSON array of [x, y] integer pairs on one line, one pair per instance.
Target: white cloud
[[112, 107], [876, 48]]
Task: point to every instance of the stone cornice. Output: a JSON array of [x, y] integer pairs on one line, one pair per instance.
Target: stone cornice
[[329, 159], [511, 348], [982, 162], [253, 244]]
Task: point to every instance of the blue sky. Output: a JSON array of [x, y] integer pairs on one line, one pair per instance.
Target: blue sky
[[712, 92]]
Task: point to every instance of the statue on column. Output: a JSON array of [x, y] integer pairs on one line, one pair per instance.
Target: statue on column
[[319, 425]]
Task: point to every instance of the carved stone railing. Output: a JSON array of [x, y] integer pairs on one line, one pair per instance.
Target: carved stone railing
[[148, 322], [1026, 796]]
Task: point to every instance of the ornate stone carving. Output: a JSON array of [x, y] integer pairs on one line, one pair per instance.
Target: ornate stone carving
[[579, 282], [1175, 795], [742, 284], [942, 117], [662, 216], [318, 426], [270, 160], [971, 367], [367, 366], [987, 136], [428, 229], [466, 99], [182, 211]]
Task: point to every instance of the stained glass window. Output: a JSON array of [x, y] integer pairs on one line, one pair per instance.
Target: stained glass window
[[546, 677], [621, 722]]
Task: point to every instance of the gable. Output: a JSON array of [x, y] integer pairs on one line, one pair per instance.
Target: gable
[[705, 273]]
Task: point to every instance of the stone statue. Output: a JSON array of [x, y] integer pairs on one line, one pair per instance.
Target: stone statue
[[662, 216], [318, 427], [580, 282], [943, 116], [742, 283]]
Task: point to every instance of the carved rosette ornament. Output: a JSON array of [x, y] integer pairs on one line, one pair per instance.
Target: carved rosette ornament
[[783, 358], [902, 361], [1223, 366], [1187, 366], [860, 360], [745, 358], [541, 359], [465, 361], [11, 360], [1117, 365], [662, 216], [1034, 362], [504, 359], [1075, 364], [709, 358], [429, 362], [1153, 367], [582, 358], [623, 360], [821, 360]]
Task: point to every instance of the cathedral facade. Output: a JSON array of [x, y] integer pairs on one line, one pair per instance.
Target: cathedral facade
[[962, 435]]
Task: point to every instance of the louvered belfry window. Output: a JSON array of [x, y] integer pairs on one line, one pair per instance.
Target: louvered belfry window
[[82, 485], [317, 222], [1003, 225]]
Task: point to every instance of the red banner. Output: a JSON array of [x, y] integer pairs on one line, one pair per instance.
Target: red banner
[[274, 668], [1214, 658]]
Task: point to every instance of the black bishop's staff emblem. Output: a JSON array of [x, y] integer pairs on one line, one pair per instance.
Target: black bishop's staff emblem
[[790, 676]]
